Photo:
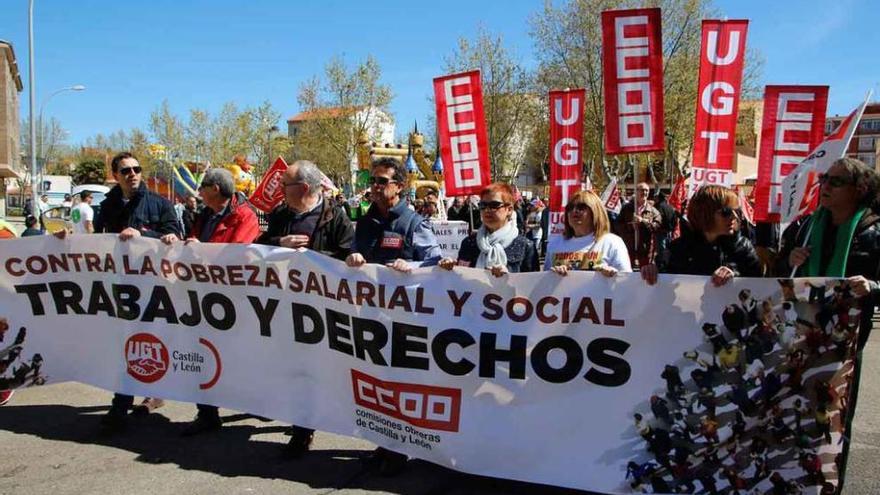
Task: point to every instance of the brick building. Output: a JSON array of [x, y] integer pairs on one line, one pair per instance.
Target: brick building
[[10, 87]]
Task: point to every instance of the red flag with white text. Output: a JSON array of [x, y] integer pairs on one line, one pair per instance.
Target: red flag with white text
[[566, 148], [745, 206], [632, 66], [800, 189], [270, 191], [794, 122], [461, 125], [611, 197], [722, 56]]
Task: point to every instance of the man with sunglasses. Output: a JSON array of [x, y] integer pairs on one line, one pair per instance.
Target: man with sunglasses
[[391, 234], [842, 237], [131, 210]]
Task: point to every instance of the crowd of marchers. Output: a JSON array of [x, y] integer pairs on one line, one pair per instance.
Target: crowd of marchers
[[707, 236]]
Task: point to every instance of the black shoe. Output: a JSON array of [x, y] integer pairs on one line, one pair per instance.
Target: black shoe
[[387, 462], [115, 421], [202, 424], [298, 445]]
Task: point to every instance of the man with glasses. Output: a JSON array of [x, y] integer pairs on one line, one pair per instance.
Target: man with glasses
[[636, 225], [131, 210], [842, 237], [393, 235], [306, 219]]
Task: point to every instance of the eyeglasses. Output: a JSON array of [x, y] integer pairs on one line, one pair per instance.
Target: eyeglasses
[[381, 181], [728, 212], [578, 207], [130, 170], [491, 205], [834, 180]]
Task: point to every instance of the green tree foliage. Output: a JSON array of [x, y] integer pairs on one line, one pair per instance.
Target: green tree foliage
[[89, 171], [346, 103]]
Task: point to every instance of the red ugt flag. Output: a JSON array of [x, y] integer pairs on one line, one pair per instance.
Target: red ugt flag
[[566, 148]]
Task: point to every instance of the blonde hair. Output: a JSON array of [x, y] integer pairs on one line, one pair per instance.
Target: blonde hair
[[601, 224]]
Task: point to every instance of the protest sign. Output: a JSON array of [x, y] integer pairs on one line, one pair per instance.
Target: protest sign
[[449, 234], [566, 151], [270, 191], [512, 377], [632, 75], [794, 120], [718, 101], [461, 128]]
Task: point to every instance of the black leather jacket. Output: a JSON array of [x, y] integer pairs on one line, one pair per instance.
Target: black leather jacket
[[692, 254]]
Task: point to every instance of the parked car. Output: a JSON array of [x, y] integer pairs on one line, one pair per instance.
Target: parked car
[[57, 218]]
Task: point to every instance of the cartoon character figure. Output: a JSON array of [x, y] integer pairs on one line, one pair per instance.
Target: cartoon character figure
[[241, 173]]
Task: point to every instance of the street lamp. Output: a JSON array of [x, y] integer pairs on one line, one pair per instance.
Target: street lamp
[[76, 87]]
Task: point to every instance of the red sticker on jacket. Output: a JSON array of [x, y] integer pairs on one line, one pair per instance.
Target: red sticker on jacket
[[391, 242]]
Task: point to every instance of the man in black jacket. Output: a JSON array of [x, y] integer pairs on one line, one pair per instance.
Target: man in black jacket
[[131, 210], [307, 220]]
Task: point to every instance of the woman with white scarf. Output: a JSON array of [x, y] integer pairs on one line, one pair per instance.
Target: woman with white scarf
[[497, 245]]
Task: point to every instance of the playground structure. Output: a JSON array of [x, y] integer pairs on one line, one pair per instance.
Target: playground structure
[[423, 176]]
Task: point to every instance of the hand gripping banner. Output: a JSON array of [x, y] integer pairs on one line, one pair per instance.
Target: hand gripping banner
[[794, 121], [632, 73], [566, 151], [680, 386], [722, 57], [461, 126]]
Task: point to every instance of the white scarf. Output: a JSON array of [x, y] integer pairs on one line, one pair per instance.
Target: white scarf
[[492, 245]]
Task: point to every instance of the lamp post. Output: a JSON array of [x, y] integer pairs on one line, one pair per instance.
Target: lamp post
[[77, 87], [33, 130]]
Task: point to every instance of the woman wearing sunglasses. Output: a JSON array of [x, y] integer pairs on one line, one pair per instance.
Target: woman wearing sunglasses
[[842, 237], [497, 245], [586, 242], [713, 245]]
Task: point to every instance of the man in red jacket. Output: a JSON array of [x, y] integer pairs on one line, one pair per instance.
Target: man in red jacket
[[228, 218]]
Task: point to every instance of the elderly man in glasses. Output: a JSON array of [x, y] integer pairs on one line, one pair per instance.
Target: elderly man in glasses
[[842, 237], [636, 225], [131, 210]]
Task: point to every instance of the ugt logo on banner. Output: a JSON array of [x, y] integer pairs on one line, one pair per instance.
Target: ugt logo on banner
[[794, 120], [566, 150], [632, 66], [718, 102], [464, 146]]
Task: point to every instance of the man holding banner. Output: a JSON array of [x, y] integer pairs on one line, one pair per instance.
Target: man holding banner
[[842, 237]]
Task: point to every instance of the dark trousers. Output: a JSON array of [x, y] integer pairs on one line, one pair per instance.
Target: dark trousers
[[121, 403], [208, 411], [300, 431]]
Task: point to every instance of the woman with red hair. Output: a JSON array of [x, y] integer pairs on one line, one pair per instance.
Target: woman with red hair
[[497, 246]]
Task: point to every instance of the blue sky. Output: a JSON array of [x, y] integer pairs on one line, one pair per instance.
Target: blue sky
[[202, 53]]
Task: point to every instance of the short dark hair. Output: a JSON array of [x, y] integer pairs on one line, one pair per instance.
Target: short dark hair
[[84, 195], [388, 162], [30, 221], [114, 164]]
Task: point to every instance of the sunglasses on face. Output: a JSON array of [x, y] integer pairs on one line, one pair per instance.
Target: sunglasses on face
[[491, 205], [834, 180], [578, 207], [381, 181], [727, 212], [130, 170]]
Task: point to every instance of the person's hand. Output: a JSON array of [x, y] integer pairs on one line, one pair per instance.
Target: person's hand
[[798, 256], [192, 240], [169, 239], [129, 233], [294, 241], [497, 270], [400, 265], [608, 271], [560, 270], [860, 285], [649, 273], [721, 276], [355, 260], [446, 263], [61, 234]]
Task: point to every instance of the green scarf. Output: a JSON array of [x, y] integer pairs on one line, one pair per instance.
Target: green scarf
[[837, 266]]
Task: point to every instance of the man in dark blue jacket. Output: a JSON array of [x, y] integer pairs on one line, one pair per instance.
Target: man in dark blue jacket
[[392, 234], [131, 210]]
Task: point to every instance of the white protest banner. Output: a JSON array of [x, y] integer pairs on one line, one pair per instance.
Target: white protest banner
[[449, 234], [800, 189], [532, 377], [611, 197]]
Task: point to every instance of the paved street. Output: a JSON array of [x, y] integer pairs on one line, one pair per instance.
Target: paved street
[[50, 446]]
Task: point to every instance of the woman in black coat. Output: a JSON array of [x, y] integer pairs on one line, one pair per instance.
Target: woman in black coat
[[497, 246], [713, 245]]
